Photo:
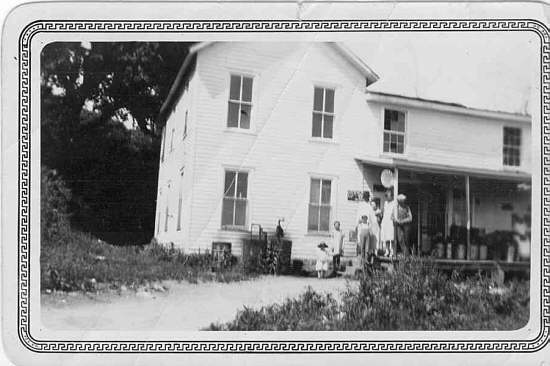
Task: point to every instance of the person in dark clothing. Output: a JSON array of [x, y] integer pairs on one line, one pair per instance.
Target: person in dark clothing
[[402, 218]]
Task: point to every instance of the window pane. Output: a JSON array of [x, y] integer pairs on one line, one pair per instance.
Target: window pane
[[400, 143], [400, 126], [386, 142], [316, 125], [329, 100], [318, 99], [242, 184], [324, 221], [393, 143], [394, 125], [387, 119], [227, 211], [314, 191], [240, 212], [313, 218], [400, 148], [235, 87], [233, 115], [325, 192], [229, 187], [247, 89], [327, 126], [245, 116]]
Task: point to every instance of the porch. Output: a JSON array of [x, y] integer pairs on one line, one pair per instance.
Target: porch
[[462, 217]]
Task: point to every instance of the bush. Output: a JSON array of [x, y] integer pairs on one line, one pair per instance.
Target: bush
[[78, 261], [310, 311], [415, 296], [54, 204]]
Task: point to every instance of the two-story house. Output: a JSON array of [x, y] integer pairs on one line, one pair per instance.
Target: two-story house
[[259, 131]]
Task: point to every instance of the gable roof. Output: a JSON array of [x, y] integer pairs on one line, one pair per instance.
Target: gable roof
[[188, 63]]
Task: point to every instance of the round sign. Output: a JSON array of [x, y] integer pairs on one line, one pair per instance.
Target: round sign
[[387, 178]]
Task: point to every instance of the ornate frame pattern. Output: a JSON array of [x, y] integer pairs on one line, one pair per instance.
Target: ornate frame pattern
[[273, 346]]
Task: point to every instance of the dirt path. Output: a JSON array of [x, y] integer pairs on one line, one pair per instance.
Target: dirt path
[[184, 306]]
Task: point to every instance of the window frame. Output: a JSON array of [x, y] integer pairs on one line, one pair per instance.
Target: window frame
[[186, 119], [404, 133], [322, 138], [163, 143], [159, 213], [180, 202], [332, 205], [172, 139], [513, 147], [233, 226], [252, 103], [167, 210]]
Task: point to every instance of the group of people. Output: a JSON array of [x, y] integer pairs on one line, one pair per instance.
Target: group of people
[[377, 231]]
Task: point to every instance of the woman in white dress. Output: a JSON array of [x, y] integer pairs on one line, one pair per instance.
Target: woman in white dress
[[387, 230]]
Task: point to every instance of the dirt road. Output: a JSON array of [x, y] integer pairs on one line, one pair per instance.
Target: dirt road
[[184, 306]]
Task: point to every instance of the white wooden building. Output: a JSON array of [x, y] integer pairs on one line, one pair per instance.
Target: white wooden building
[[256, 132]]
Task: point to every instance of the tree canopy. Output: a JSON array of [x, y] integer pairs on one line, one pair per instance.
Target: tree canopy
[[100, 133]]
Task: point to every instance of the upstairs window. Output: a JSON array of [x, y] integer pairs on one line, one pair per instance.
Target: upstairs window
[[512, 146], [323, 113], [319, 205], [185, 124], [240, 102], [172, 140], [180, 202], [394, 131], [235, 200]]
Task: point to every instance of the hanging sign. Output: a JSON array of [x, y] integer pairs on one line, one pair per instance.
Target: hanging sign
[[357, 195]]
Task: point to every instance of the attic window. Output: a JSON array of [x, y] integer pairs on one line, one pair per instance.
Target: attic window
[[512, 146], [394, 131]]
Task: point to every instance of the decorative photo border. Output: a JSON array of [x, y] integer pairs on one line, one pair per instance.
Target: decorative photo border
[[273, 346]]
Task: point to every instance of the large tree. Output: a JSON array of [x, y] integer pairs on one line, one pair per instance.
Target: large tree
[[100, 132]]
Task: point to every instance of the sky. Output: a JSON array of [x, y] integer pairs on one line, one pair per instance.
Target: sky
[[484, 70]]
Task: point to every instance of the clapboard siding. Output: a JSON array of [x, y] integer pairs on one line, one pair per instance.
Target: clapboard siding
[[177, 160], [278, 151], [457, 140]]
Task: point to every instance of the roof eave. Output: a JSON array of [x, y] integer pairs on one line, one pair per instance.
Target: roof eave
[[355, 60], [379, 97]]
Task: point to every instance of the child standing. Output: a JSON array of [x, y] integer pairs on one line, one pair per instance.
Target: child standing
[[337, 246], [322, 260]]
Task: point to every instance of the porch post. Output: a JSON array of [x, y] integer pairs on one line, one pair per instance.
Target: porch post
[[468, 217], [395, 183]]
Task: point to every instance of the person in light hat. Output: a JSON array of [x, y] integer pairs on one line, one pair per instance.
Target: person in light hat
[[323, 256], [402, 217]]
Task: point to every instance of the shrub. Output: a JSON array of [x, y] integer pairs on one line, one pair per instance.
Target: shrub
[[415, 296], [54, 203], [310, 311], [75, 260]]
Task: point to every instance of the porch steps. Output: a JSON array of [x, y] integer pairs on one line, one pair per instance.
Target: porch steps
[[350, 249]]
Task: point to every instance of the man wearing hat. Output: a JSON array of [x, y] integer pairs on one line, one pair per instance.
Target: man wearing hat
[[402, 217]]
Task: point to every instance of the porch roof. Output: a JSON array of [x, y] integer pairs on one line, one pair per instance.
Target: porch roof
[[504, 174]]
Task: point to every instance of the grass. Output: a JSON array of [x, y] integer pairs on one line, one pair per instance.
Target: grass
[[415, 296], [77, 261]]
